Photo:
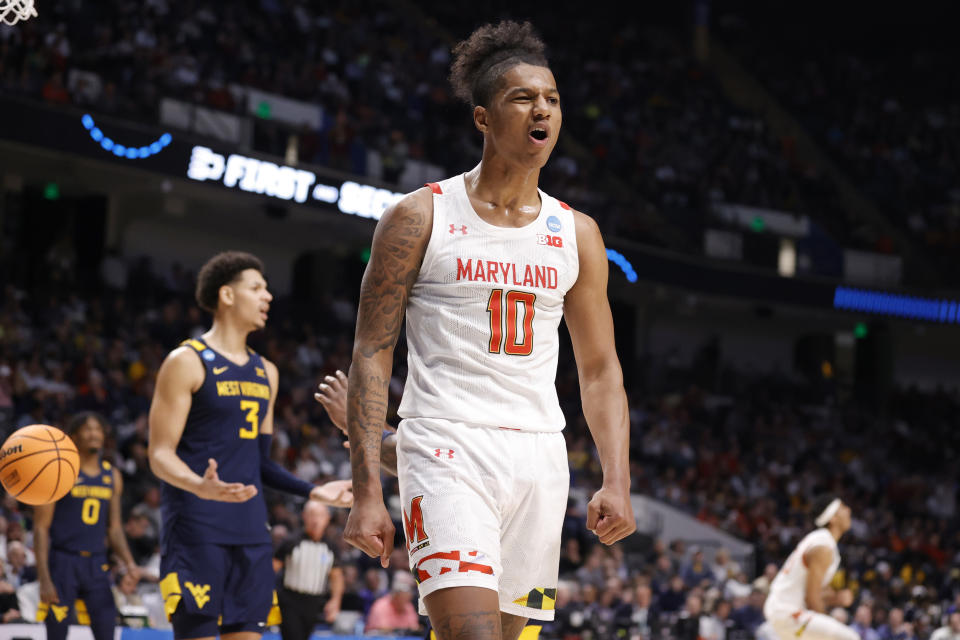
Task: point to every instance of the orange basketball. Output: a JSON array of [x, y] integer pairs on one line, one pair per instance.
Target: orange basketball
[[38, 464]]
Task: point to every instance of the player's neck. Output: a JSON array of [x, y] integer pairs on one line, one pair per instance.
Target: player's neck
[[227, 338], [90, 463], [836, 533], [504, 185]]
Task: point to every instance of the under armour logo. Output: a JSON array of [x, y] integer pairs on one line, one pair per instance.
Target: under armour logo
[[199, 592], [443, 452], [453, 229]]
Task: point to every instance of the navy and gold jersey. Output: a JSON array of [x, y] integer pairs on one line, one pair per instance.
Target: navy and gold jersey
[[223, 424], [80, 517]]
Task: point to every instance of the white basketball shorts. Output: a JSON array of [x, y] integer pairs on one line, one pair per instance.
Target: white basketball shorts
[[808, 625], [484, 507]]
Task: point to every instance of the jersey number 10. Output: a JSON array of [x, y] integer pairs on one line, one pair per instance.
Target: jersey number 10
[[519, 338]]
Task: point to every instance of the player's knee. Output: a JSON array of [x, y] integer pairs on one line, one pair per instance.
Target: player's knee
[[470, 613], [189, 625]]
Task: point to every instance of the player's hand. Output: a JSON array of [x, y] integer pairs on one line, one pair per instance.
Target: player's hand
[[48, 592], [845, 598], [332, 394], [213, 488], [337, 493], [610, 515], [370, 529], [331, 610], [134, 571]]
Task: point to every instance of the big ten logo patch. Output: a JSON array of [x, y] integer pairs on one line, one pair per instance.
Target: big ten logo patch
[[550, 241], [417, 537], [438, 564]]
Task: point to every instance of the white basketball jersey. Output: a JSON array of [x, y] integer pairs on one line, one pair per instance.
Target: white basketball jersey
[[483, 314], [788, 589]]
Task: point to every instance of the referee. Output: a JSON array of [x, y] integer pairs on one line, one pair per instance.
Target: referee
[[311, 579]]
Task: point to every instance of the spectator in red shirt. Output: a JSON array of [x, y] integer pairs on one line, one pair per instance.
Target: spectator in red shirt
[[395, 611], [54, 91]]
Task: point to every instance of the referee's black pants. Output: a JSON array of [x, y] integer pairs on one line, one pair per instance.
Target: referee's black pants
[[300, 611]]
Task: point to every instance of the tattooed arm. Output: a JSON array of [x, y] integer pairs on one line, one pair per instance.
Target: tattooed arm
[[398, 247]]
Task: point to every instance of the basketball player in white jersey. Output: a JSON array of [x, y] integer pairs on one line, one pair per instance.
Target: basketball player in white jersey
[[796, 606], [484, 265]]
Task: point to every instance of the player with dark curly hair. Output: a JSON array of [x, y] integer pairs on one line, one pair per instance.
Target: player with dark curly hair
[[484, 265], [211, 424]]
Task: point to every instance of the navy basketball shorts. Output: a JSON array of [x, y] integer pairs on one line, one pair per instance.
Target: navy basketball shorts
[[216, 588], [83, 583]]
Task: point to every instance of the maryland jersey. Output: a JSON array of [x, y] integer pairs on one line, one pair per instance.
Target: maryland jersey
[[80, 518], [483, 314], [788, 589], [223, 424]]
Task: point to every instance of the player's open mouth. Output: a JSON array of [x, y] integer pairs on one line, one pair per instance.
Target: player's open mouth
[[539, 134]]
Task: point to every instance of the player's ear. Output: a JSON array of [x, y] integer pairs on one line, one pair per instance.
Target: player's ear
[[225, 295], [480, 115]]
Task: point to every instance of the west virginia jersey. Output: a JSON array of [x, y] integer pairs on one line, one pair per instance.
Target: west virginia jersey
[[78, 560], [80, 517], [223, 424]]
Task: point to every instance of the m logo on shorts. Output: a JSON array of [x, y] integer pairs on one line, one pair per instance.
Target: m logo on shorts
[[413, 525], [199, 593]]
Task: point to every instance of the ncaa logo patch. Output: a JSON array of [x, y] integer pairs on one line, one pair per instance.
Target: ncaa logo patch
[[553, 223], [208, 355]]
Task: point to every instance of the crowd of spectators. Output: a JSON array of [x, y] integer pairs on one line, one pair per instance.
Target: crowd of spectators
[[637, 100], [745, 455], [890, 115]]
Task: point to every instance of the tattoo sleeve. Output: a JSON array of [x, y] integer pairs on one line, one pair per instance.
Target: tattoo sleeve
[[388, 454], [398, 246]]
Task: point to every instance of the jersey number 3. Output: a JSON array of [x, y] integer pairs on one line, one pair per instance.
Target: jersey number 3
[[518, 322], [252, 407]]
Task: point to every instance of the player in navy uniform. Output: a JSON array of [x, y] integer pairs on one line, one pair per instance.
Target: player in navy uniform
[[212, 418], [70, 541]]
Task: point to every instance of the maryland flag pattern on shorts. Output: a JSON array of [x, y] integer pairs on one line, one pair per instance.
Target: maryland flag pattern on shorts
[[539, 598]]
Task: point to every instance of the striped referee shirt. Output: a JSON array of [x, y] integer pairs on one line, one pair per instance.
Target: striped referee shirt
[[306, 565]]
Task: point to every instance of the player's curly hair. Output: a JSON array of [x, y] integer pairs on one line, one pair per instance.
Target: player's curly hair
[[489, 52], [79, 419], [219, 270], [819, 505]]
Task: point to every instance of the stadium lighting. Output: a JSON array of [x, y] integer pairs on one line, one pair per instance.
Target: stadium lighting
[[121, 150]]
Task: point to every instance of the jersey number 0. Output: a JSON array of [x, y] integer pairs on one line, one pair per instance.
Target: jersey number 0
[[518, 323]]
